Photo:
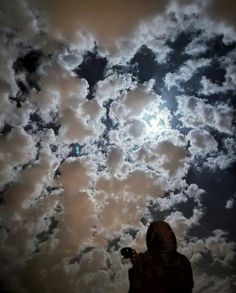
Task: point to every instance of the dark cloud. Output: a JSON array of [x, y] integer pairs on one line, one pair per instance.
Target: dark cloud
[[107, 20], [223, 13]]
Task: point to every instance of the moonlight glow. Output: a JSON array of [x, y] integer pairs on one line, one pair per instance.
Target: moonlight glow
[[156, 121]]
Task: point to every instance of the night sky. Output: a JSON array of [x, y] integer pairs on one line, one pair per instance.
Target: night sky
[[114, 114]]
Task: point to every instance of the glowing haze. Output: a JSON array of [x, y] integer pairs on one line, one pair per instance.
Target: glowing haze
[[114, 114]]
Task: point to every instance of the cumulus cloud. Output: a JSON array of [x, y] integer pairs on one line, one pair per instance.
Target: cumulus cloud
[[222, 14], [115, 160], [198, 45], [211, 88], [93, 17], [17, 148], [133, 104], [217, 246], [185, 72], [229, 204], [224, 158], [30, 183], [220, 249], [181, 224], [167, 158], [219, 117], [201, 143], [73, 128], [214, 284], [19, 24], [189, 192], [113, 87]]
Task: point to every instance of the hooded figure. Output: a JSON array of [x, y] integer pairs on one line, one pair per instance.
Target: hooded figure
[[161, 268]]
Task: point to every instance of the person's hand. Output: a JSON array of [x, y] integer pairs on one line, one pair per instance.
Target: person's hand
[[134, 256]]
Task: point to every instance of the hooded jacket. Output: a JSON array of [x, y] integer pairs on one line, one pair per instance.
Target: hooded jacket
[[161, 268]]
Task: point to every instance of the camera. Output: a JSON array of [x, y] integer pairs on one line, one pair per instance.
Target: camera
[[127, 252]]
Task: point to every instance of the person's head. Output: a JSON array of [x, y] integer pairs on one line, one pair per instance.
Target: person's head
[[160, 237]]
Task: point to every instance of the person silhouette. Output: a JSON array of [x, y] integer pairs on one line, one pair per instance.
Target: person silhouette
[[161, 268]]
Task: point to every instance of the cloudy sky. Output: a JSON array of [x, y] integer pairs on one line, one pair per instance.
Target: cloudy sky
[[114, 114]]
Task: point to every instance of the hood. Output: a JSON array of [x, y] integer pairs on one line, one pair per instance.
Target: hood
[[160, 237]]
